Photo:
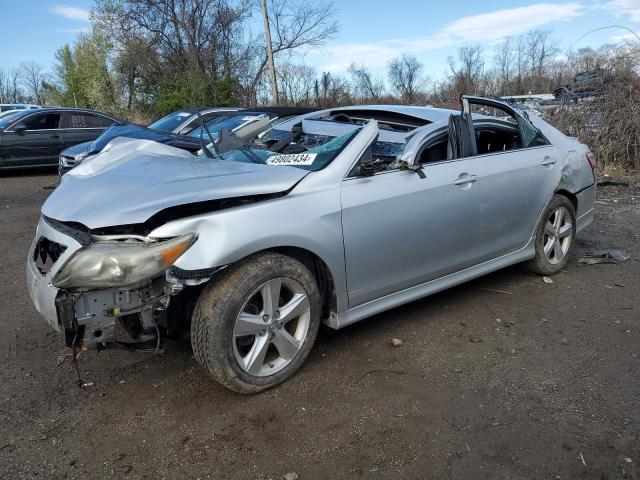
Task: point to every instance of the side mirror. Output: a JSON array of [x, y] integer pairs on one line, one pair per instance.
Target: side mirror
[[20, 128]]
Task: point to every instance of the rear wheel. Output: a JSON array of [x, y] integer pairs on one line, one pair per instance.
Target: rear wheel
[[253, 328], [554, 237]]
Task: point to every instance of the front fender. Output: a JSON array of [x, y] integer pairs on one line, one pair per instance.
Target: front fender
[[310, 221]]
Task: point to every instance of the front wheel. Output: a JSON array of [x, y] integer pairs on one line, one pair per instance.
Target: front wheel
[[554, 237], [254, 327]]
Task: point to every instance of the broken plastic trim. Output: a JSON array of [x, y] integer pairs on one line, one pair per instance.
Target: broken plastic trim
[[199, 274]]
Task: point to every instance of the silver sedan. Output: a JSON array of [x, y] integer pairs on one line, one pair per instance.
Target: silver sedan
[[330, 217]]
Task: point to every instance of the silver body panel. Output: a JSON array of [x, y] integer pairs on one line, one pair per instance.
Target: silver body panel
[[386, 239]]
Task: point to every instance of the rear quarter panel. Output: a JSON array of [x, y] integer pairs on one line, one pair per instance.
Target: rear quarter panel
[[577, 176], [576, 171]]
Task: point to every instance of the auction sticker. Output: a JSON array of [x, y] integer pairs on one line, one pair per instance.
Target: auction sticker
[[295, 159]]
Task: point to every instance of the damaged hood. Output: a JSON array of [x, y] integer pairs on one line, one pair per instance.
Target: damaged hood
[[131, 180]]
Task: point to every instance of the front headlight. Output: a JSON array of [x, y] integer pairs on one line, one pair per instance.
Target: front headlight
[[119, 264]]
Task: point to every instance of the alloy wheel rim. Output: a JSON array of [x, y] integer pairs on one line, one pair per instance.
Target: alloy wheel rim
[[558, 232], [271, 327]]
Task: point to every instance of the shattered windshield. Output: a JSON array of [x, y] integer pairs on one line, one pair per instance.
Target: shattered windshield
[[388, 150], [312, 152]]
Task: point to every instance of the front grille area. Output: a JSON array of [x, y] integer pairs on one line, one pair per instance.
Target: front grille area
[[46, 253], [67, 161]]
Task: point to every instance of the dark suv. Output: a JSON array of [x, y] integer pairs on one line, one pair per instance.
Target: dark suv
[[30, 138], [584, 84]]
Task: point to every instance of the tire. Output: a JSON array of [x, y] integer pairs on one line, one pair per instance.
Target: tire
[[234, 322], [554, 237]]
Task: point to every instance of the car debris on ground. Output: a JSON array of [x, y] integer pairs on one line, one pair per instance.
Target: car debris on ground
[[603, 256]]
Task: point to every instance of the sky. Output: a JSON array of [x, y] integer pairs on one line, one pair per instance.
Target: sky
[[372, 31]]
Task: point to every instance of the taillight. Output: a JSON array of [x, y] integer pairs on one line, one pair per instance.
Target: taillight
[[591, 158]]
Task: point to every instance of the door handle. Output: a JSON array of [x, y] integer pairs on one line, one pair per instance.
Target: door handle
[[466, 179], [54, 135], [549, 161]]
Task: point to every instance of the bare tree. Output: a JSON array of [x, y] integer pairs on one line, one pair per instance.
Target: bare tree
[[366, 87], [405, 76], [540, 48], [14, 86], [587, 59], [5, 92], [331, 90], [505, 61], [467, 70], [33, 78], [295, 83], [295, 25]]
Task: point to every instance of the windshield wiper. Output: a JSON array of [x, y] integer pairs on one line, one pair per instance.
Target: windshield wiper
[[205, 149], [229, 141]]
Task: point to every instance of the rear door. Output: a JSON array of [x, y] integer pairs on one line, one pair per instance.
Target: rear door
[[513, 184], [39, 144], [82, 127]]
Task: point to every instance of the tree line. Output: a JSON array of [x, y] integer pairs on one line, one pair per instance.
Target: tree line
[[149, 57], [145, 58]]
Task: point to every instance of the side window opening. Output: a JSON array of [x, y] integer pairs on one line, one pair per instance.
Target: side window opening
[[435, 151], [495, 139], [515, 132], [84, 120], [47, 121]]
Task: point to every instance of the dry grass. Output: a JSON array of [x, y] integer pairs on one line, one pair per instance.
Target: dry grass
[[609, 124]]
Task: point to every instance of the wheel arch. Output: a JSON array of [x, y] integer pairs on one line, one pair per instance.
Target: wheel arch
[[318, 268], [570, 196]]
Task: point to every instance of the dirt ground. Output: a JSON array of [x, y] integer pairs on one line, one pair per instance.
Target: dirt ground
[[540, 381]]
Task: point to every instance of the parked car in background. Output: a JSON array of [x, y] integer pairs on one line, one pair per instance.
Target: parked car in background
[[178, 122], [17, 106], [330, 217], [31, 138], [72, 156], [184, 123], [235, 120], [584, 84]]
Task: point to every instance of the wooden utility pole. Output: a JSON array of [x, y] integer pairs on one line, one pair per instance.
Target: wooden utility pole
[[272, 65]]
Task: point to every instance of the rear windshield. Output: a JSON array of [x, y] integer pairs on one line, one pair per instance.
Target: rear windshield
[[170, 122]]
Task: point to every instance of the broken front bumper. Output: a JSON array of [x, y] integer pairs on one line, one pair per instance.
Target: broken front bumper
[[40, 273], [95, 317]]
